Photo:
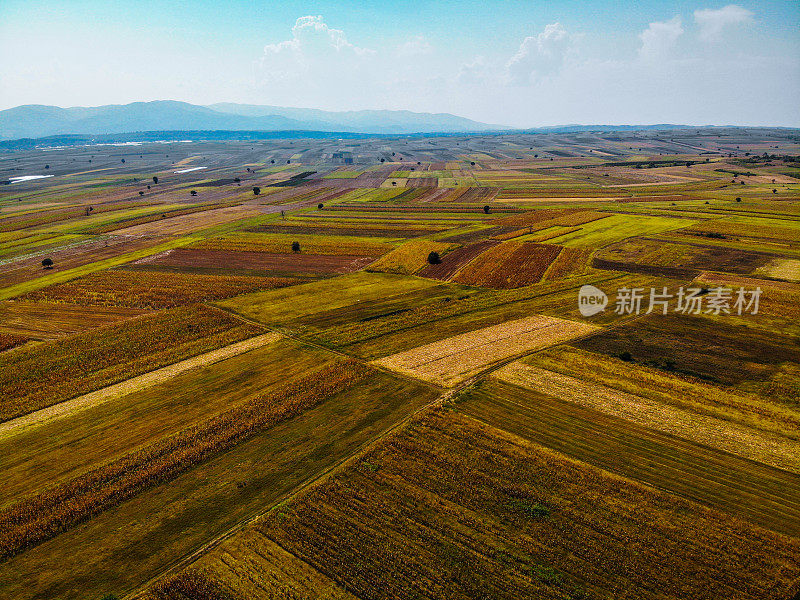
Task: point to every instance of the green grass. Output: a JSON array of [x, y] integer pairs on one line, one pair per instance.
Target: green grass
[[618, 227]]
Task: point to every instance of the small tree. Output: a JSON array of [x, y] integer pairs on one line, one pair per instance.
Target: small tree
[[774, 191], [123, 160], [193, 193], [155, 179], [434, 258], [47, 263], [320, 205], [472, 162], [141, 193], [256, 190], [738, 199], [295, 246], [47, 166], [486, 209]]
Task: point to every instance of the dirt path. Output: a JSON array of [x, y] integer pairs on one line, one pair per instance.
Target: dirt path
[[134, 384]]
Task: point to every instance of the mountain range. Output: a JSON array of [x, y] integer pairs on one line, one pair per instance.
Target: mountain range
[[35, 120]]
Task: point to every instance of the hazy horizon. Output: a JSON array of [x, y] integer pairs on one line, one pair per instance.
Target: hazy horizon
[[520, 64]]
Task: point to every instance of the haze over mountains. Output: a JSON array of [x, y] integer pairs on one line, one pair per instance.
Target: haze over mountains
[[33, 121]]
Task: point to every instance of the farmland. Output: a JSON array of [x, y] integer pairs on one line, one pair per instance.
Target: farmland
[[358, 368]]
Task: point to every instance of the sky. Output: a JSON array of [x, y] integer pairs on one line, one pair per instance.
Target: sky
[[518, 63]]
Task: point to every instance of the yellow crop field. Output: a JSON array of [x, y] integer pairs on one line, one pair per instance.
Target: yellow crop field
[[460, 357]]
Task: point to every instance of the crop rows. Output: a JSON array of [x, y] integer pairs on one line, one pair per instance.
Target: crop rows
[[41, 517], [309, 244], [38, 376], [152, 289], [509, 265], [32, 219], [569, 263], [167, 214], [454, 509]]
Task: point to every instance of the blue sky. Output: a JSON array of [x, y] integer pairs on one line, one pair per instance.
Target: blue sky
[[518, 63]]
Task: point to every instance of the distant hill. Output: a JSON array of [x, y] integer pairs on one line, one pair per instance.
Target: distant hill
[[35, 121]]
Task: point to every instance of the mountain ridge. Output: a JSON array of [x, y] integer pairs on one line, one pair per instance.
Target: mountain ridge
[[37, 120]]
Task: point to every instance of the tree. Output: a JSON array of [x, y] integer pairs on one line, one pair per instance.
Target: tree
[[394, 183], [256, 190], [486, 209], [472, 162], [774, 191], [434, 258], [141, 193], [155, 179], [295, 246], [47, 263], [123, 160], [193, 193], [738, 199], [320, 205], [47, 166]]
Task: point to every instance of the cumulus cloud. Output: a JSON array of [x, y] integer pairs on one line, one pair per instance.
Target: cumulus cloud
[[713, 22], [659, 38], [538, 56], [315, 48]]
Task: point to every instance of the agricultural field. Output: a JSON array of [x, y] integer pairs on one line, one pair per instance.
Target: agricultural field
[[364, 368]]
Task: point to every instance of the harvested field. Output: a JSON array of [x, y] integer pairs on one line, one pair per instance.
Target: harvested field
[[767, 448], [310, 244], [190, 222], [149, 289], [460, 357], [43, 320], [70, 256], [682, 273], [325, 229], [570, 262], [46, 374], [764, 412], [509, 265], [743, 488], [452, 508], [687, 258], [453, 261], [41, 517], [781, 268], [409, 257], [709, 350], [135, 384], [186, 259]]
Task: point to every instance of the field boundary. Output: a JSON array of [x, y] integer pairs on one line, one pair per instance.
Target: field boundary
[[134, 384]]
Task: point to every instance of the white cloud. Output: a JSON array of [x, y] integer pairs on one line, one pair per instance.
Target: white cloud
[[659, 38], [315, 49], [416, 46], [713, 22], [540, 55]]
